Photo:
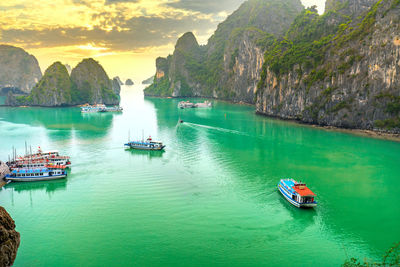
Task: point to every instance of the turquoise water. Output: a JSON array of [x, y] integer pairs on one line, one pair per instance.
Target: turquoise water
[[210, 198]]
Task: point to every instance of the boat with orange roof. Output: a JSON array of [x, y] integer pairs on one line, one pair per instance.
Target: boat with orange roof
[[297, 193]]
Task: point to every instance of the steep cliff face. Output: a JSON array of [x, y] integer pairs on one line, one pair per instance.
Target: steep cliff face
[[9, 239], [346, 79], [349, 7], [93, 84], [229, 66], [54, 89], [19, 71]]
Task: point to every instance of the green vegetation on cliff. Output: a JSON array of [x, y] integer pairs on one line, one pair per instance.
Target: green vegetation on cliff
[[88, 83], [54, 88], [209, 70], [331, 69]]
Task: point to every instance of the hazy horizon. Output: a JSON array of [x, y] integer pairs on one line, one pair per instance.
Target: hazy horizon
[[125, 36]]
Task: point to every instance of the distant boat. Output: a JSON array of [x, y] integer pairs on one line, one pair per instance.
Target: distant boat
[[149, 144], [205, 104], [185, 104], [40, 174], [99, 108], [297, 193]]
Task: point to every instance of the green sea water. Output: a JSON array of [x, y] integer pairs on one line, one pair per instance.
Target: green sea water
[[210, 199]]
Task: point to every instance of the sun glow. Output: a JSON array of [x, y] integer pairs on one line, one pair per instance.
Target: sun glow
[[90, 46]]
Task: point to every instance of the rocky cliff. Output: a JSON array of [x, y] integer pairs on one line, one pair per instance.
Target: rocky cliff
[[118, 80], [93, 84], [346, 75], [9, 239], [19, 71], [88, 83], [229, 66], [54, 89]]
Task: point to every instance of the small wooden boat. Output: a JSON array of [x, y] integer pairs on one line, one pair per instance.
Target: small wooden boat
[[297, 193]]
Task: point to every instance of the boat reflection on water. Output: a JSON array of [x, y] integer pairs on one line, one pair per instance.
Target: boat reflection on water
[[145, 153], [47, 186]]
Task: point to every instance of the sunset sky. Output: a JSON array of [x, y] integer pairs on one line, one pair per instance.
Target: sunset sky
[[125, 36]]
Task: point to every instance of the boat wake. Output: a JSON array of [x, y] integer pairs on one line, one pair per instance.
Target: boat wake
[[194, 125]]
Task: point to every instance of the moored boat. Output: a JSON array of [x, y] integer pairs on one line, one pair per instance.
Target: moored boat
[[205, 104], [39, 174], [40, 159], [149, 144], [297, 193], [185, 104], [100, 108]]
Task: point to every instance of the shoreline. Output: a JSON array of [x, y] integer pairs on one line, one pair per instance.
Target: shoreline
[[377, 134]]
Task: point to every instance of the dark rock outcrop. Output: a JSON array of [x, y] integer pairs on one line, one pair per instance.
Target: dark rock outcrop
[[229, 66], [9, 239], [346, 79], [18, 69], [116, 86], [129, 82], [118, 80]]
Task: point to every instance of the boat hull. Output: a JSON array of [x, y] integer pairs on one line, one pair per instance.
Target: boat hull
[[295, 203], [34, 179], [147, 148]]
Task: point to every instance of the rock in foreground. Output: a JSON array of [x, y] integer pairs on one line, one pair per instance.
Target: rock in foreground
[[9, 239]]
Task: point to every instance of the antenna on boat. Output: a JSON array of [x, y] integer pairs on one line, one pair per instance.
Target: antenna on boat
[[142, 135], [26, 149], [129, 135]]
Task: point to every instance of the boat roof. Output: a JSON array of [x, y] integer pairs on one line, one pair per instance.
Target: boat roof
[[300, 188], [29, 170], [303, 190]]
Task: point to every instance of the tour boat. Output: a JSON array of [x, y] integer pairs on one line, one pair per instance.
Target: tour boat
[[149, 144], [297, 193], [40, 163], [185, 104], [40, 174], [100, 108], [40, 159], [205, 104]]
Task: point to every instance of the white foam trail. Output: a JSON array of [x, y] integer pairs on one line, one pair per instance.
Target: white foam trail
[[215, 128]]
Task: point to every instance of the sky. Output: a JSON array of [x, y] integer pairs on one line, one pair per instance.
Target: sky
[[125, 36]]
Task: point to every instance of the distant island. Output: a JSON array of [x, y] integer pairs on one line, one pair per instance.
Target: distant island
[[24, 85], [148, 81], [129, 82], [337, 69]]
